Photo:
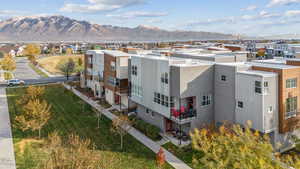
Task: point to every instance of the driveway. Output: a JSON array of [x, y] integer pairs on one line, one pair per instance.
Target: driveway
[[7, 157], [24, 71]]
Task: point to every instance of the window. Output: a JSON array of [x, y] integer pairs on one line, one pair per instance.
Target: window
[[157, 98], [206, 100], [162, 99], [223, 78], [266, 87], [240, 104], [152, 114], [291, 107], [134, 70], [172, 102], [113, 66], [270, 109], [147, 111], [165, 78], [291, 83], [258, 87]]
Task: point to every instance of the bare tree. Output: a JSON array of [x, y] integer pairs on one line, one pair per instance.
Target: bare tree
[[121, 125]]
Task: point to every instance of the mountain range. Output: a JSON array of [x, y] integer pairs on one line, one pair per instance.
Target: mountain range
[[61, 28]]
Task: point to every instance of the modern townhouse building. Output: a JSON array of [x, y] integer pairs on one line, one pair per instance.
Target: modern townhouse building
[[106, 74], [116, 78], [172, 93], [94, 72], [185, 91], [183, 94]]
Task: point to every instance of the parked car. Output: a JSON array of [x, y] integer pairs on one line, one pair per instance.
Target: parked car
[[14, 82]]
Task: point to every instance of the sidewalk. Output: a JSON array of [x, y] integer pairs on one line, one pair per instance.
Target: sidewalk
[[170, 158], [7, 156]]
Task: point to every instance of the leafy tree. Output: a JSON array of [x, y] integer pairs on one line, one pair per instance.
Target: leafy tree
[[36, 114], [121, 125], [75, 153], [32, 51], [233, 147], [8, 63], [32, 93], [67, 67]]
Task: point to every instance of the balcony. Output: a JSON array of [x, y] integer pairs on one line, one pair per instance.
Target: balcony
[[183, 115]]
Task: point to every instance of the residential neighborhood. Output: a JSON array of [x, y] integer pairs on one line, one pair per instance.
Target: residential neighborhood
[[148, 84]]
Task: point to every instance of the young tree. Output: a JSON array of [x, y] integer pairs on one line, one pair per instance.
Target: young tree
[[67, 67], [121, 125], [32, 93], [75, 153], [99, 115], [36, 114], [233, 147], [8, 63], [32, 51]]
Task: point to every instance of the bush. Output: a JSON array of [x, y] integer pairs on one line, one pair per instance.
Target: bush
[[149, 130]]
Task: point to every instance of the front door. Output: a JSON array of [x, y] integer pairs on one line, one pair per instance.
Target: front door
[[168, 125]]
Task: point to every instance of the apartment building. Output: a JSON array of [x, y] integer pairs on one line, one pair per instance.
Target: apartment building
[[167, 91], [106, 74], [183, 94], [187, 91]]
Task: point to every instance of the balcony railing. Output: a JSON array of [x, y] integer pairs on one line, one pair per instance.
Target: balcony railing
[[184, 115]]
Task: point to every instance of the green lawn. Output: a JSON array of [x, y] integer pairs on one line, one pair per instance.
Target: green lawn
[[68, 118], [38, 71]]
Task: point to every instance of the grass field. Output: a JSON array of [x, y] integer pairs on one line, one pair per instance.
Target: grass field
[[68, 118], [50, 63]]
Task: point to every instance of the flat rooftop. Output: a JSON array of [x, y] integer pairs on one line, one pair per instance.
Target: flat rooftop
[[175, 61], [274, 66], [116, 53], [258, 73]]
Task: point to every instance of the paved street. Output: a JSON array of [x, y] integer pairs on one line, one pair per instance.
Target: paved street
[[7, 157], [23, 71]]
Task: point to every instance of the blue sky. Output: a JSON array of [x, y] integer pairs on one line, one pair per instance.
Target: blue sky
[[251, 17]]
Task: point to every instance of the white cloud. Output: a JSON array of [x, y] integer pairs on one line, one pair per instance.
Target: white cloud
[[273, 3], [292, 13], [136, 14], [99, 5], [249, 8]]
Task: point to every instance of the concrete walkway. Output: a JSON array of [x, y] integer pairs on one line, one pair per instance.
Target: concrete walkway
[[170, 158], [7, 156]]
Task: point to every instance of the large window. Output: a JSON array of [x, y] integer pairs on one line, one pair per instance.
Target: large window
[[291, 107], [206, 100], [136, 90], [161, 99], [258, 87], [291, 83]]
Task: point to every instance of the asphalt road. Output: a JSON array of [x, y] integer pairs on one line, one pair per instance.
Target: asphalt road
[[24, 71]]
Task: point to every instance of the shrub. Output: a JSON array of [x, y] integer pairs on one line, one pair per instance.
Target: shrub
[[149, 130]]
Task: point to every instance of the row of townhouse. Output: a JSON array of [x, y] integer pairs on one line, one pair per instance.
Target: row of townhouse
[[187, 91]]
